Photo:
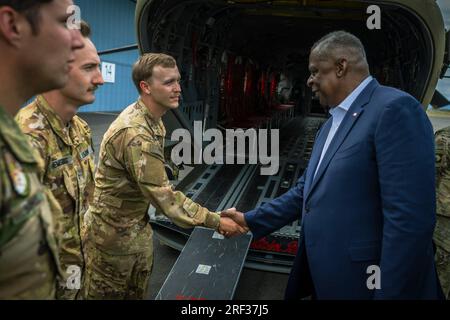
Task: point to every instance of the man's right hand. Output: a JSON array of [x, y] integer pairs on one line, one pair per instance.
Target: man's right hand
[[229, 228], [237, 217]]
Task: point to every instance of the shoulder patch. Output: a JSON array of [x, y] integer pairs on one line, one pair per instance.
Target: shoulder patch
[[19, 179]]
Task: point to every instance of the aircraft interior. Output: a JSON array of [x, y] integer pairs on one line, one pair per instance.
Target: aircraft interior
[[244, 64]]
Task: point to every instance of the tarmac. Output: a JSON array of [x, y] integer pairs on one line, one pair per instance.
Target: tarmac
[[253, 284]]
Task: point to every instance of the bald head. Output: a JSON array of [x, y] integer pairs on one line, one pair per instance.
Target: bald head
[[338, 65], [342, 45]]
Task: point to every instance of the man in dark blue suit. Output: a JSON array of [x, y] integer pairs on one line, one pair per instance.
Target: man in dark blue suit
[[367, 199]]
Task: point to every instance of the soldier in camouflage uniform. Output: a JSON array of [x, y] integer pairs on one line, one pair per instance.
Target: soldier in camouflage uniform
[[442, 231], [130, 177], [64, 142], [27, 246], [33, 41]]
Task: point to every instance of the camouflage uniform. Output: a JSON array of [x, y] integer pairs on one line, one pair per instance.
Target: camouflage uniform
[[68, 170], [28, 250], [130, 177], [442, 231]]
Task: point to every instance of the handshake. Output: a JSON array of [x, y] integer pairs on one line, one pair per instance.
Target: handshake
[[232, 223]]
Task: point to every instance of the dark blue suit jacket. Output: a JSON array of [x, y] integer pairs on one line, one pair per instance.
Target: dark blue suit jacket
[[371, 203]]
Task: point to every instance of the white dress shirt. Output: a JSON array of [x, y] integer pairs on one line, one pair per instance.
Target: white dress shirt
[[338, 113]]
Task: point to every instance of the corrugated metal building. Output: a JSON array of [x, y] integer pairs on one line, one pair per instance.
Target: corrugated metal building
[[112, 23]]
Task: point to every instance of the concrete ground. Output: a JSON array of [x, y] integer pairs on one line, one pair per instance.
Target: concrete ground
[[253, 284]]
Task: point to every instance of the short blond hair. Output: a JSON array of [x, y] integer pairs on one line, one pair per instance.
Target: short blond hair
[[143, 68]]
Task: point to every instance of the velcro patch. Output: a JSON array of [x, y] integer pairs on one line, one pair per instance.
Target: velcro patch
[[153, 149], [86, 153], [60, 162]]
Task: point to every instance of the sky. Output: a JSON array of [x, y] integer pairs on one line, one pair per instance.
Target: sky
[[445, 7], [444, 84]]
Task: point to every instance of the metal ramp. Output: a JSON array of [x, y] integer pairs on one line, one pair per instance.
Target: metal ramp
[[241, 186], [208, 268]]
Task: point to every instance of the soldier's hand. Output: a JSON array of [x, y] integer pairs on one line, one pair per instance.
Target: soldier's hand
[[238, 218], [230, 228], [236, 215]]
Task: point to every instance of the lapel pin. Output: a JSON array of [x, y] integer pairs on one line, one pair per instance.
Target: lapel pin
[[355, 114]]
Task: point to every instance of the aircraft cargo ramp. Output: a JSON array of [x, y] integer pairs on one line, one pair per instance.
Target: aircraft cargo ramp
[[219, 187]]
